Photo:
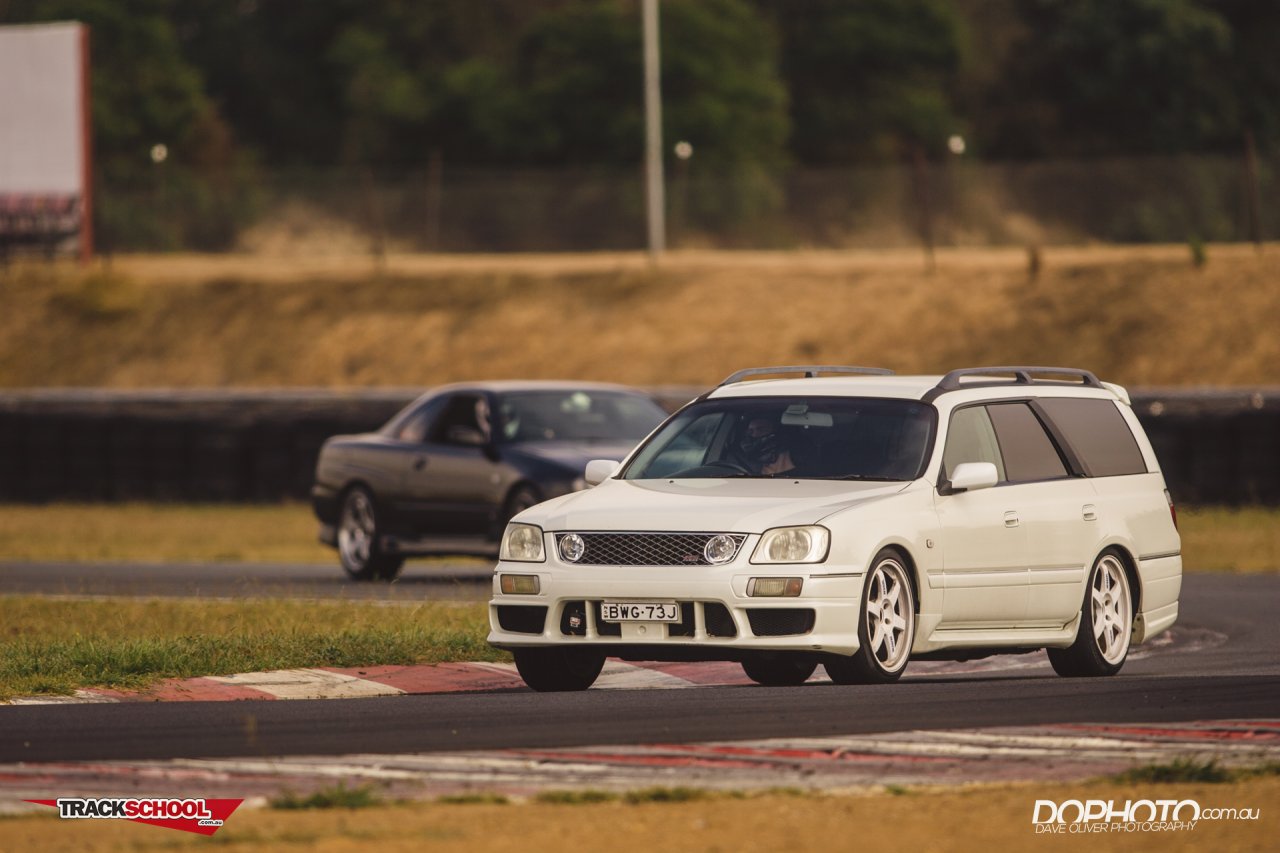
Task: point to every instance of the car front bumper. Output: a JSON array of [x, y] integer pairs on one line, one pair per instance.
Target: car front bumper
[[719, 620]]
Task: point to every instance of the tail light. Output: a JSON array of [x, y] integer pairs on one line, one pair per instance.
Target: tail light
[[1173, 511]]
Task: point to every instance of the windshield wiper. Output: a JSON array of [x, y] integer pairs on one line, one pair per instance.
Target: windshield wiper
[[866, 477]]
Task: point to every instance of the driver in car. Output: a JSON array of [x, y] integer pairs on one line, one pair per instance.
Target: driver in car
[[762, 449]]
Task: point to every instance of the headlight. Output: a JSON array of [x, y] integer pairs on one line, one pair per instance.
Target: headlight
[[522, 543], [793, 545]]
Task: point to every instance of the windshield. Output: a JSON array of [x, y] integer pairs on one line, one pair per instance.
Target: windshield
[[576, 416], [818, 438]]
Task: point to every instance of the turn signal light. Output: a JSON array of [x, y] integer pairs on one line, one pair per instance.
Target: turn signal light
[[519, 584], [774, 587]]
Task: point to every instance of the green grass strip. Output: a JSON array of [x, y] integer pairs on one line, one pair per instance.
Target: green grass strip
[[54, 646]]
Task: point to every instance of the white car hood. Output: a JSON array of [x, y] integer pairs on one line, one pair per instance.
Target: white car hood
[[735, 505]]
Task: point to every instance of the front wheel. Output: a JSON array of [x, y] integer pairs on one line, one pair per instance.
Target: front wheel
[[558, 669], [886, 626], [358, 534], [778, 671], [1106, 624]]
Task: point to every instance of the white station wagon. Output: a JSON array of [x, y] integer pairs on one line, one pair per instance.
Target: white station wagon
[[855, 519]]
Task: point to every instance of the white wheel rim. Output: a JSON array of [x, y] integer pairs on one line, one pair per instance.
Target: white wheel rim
[[1111, 609], [890, 615], [355, 532]]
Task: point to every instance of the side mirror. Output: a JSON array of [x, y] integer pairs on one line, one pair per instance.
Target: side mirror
[[465, 435], [599, 470], [970, 476]]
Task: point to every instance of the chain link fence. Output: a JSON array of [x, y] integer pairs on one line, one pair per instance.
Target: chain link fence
[[960, 202]]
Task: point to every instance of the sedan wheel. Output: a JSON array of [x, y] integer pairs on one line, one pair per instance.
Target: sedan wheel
[[558, 669], [1106, 624], [886, 626], [779, 671], [358, 540]]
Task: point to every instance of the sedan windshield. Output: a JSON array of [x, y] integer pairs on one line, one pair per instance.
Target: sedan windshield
[[818, 438], [576, 416]]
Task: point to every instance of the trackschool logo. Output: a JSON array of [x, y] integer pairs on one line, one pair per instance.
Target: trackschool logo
[[1084, 816], [196, 815]]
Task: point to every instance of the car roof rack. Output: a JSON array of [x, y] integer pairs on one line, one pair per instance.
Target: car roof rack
[[1011, 375], [809, 370]]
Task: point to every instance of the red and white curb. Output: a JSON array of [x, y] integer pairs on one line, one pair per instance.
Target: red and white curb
[[1059, 753]]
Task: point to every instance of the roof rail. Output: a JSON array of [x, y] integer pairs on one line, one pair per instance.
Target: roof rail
[[1020, 375], [809, 370]]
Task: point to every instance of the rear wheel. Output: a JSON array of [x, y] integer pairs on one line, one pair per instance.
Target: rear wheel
[[886, 626], [558, 669], [778, 671], [1106, 624], [358, 535]]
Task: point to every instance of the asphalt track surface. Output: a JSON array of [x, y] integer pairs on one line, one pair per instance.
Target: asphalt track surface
[[1235, 677]]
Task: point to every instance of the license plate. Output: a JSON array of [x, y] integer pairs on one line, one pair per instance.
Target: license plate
[[639, 611]]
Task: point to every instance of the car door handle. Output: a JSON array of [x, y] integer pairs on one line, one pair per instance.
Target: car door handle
[[420, 463], [1090, 512], [1011, 519]]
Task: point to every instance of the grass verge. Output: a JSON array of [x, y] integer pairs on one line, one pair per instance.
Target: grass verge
[[153, 533], [1194, 770], [1213, 539], [56, 646], [337, 797]]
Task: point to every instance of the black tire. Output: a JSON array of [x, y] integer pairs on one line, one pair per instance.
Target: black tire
[[558, 669], [778, 671], [888, 604], [1106, 623], [518, 500], [358, 536]]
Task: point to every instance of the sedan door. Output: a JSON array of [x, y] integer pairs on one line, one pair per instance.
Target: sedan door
[[983, 542], [453, 481]]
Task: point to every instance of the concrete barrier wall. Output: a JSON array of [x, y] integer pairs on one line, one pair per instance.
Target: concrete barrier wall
[[1215, 446]]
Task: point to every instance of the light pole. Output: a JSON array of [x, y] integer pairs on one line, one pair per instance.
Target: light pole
[[653, 132]]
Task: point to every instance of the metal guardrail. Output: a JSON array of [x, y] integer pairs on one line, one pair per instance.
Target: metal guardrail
[[1216, 445]]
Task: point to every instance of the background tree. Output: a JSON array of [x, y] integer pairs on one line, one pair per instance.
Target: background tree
[[869, 79]]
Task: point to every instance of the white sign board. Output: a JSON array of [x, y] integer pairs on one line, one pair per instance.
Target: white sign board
[[44, 148]]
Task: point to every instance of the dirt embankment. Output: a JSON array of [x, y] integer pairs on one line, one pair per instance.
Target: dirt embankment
[[1139, 316]]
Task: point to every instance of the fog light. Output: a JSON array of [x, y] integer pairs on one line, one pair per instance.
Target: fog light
[[519, 584], [774, 587], [720, 549], [572, 547]]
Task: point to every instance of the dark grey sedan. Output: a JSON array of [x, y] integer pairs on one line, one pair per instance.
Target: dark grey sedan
[[444, 475]]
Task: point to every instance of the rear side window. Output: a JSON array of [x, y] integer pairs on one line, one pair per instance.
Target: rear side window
[[1028, 452], [1098, 434]]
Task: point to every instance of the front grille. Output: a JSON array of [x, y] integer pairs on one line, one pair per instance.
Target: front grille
[[520, 619], [648, 549], [779, 622], [719, 622]]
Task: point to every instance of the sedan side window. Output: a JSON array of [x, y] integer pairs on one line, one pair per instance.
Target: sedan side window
[[971, 438], [414, 428], [465, 421]]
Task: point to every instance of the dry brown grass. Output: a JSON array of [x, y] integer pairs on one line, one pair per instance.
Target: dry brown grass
[[1136, 315], [1213, 539], [982, 818], [157, 533]]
